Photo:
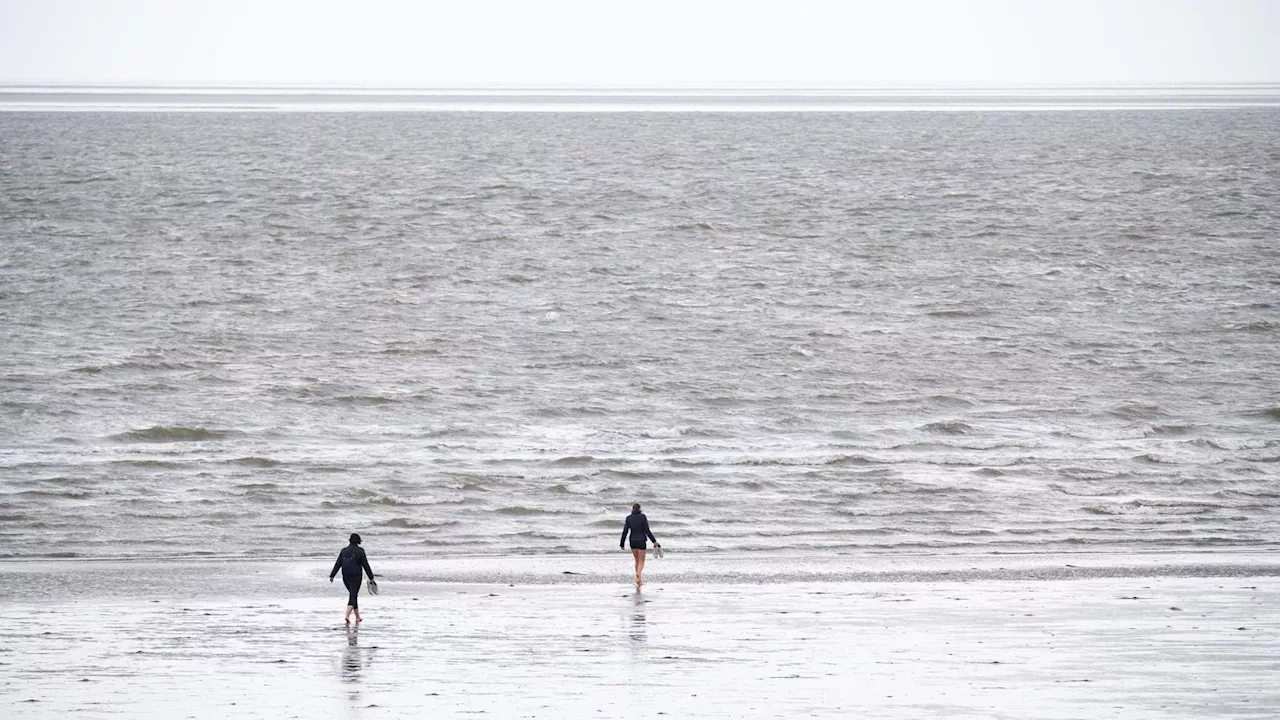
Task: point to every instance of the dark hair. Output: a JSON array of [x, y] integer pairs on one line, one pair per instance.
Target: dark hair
[[355, 538], [635, 508]]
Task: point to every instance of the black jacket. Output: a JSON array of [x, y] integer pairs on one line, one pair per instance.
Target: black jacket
[[351, 560], [638, 525]]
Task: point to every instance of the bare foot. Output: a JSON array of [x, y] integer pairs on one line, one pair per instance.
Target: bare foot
[[347, 620]]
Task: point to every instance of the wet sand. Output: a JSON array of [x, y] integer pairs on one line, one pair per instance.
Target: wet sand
[[267, 640]]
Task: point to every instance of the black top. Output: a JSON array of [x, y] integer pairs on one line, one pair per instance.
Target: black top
[[350, 561], [638, 525]]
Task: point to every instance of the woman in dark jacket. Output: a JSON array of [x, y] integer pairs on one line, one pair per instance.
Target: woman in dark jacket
[[351, 561], [638, 527]]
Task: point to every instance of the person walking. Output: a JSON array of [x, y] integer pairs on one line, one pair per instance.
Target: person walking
[[351, 561], [637, 525]]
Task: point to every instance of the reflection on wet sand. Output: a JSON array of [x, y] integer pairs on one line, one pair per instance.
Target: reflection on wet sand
[[638, 619], [354, 662], [351, 661], [898, 651]]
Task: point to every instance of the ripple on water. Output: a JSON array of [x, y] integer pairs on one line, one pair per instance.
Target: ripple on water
[[502, 354]]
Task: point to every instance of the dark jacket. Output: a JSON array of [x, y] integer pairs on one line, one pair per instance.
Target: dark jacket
[[638, 525], [350, 561]]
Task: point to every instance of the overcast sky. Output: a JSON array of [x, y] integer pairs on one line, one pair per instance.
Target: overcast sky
[[679, 43]]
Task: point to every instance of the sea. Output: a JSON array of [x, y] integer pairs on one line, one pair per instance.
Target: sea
[[245, 328]]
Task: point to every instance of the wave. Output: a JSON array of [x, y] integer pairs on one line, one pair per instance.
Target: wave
[[1084, 492], [1136, 411], [753, 485], [219, 517], [836, 460], [62, 555], [849, 435], [1169, 430], [1257, 326], [565, 489], [387, 500], [611, 523], [435, 542], [573, 461], [643, 474], [1154, 507], [253, 461], [175, 433], [411, 352], [407, 523], [375, 497], [571, 412], [1089, 474], [145, 365], [361, 400], [69, 494], [953, 427], [665, 433], [897, 490], [456, 432], [522, 511], [948, 400], [149, 464]]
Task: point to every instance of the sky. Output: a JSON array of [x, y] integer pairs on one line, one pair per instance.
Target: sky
[[633, 43]]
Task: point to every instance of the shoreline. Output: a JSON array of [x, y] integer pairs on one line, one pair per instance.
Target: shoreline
[[90, 580]]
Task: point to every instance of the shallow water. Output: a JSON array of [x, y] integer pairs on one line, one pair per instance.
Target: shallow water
[[273, 645], [462, 334]]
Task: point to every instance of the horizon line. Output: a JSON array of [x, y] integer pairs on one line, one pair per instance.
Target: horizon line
[[585, 88]]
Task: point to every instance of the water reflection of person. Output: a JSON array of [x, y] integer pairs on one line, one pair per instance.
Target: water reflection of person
[[352, 663], [351, 656], [638, 620], [637, 525]]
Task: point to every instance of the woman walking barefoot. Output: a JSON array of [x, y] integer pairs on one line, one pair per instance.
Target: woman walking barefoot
[[638, 526], [351, 561]]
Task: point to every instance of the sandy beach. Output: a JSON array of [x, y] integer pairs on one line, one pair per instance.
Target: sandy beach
[[1177, 636]]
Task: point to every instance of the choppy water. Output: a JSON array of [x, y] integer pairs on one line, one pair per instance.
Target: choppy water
[[475, 333]]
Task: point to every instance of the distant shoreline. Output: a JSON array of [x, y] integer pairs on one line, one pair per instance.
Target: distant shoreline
[[32, 97]]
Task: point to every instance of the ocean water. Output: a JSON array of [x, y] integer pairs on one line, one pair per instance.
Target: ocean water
[[230, 335]]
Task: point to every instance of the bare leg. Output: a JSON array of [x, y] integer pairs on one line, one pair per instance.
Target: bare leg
[[347, 618], [639, 556]]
